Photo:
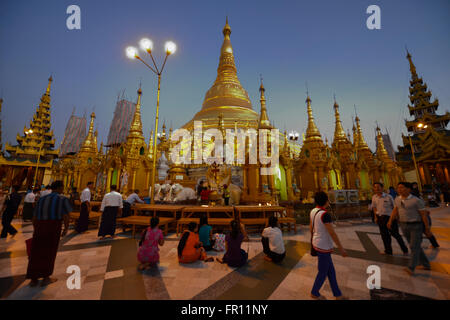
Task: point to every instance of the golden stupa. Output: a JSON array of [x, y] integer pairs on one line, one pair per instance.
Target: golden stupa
[[226, 96]]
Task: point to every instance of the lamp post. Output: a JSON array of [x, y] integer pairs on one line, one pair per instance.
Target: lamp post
[[420, 125], [38, 159], [132, 53]]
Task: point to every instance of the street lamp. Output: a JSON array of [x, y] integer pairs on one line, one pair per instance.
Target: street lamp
[[293, 135], [133, 53]]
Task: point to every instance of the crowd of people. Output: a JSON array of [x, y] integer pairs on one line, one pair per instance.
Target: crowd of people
[[401, 209]]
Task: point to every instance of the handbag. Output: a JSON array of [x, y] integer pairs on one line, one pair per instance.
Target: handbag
[[313, 251]]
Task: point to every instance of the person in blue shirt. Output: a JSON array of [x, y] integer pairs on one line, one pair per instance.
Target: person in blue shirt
[[205, 234]]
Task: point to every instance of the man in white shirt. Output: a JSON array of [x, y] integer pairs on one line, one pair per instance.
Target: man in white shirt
[[85, 208], [47, 191], [28, 205], [382, 205], [112, 204], [272, 240]]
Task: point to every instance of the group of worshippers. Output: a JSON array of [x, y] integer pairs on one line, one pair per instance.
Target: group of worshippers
[[112, 206], [197, 240]]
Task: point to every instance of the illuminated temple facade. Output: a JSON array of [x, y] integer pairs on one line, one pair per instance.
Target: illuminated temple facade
[[302, 169]]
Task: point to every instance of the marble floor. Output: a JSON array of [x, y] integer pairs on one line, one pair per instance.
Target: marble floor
[[109, 268]]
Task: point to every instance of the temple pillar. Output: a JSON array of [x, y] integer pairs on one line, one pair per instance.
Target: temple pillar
[[108, 180], [446, 174], [347, 180], [289, 183], [315, 180], [147, 179], [245, 188], [78, 180], [133, 181]]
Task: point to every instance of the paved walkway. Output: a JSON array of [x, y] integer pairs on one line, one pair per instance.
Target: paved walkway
[[109, 268]]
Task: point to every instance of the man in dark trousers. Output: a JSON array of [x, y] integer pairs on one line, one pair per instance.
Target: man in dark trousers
[[11, 204], [49, 214], [382, 205]]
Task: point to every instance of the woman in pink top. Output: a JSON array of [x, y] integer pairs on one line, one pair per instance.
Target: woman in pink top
[[148, 253]]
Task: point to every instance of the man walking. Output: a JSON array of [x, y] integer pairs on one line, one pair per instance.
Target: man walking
[[382, 205], [50, 211], [12, 204], [85, 208], [410, 211]]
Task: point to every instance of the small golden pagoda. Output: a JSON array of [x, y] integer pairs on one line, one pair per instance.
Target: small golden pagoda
[[311, 167], [31, 160], [345, 153], [388, 171]]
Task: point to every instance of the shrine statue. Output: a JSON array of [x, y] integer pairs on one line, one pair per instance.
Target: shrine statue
[[217, 176], [180, 193]]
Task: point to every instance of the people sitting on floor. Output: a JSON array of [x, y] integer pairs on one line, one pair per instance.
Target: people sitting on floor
[[205, 234], [234, 255], [219, 240], [272, 241], [190, 249], [152, 237]]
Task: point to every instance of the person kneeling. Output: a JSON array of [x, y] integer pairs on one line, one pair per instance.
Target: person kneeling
[[272, 241], [148, 254], [190, 249]]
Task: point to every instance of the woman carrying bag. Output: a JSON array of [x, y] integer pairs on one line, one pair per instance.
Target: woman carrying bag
[[322, 236]]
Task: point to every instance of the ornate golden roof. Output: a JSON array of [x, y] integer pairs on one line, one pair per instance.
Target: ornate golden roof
[[226, 95], [312, 132]]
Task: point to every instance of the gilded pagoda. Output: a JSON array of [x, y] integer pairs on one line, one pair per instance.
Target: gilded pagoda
[[427, 135], [30, 162]]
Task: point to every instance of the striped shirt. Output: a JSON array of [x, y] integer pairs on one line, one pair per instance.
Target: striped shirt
[[52, 207]]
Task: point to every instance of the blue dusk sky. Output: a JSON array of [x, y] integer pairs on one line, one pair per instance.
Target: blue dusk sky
[[323, 43]]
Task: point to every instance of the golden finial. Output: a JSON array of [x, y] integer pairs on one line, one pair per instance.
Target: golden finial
[[47, 92], [264, 122], [381, 150], [361, 143], [227, 29]]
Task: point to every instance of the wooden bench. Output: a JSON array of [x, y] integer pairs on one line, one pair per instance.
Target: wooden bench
[[289, 219], [93, 215], [188, 213], [145, 221]]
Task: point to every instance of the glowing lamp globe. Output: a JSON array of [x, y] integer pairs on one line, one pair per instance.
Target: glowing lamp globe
[[131, 52], [146, 44], [170, 47]]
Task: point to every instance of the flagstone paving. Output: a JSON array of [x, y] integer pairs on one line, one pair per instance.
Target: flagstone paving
[[109, 268]]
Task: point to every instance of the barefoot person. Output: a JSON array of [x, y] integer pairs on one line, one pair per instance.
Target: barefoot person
[[85, 209], [322, 241], [190, 249], [50, 211], [12, 203], [112, 203], [272, 241], [412, 216], [148, 254]]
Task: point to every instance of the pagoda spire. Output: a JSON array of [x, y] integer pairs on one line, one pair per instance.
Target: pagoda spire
[[412, 67], [227, 89], [47, 92], [312, 132], [360, 142], [381, 150], [89, 144], [339, 133], [135, 131], [264, 122]]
